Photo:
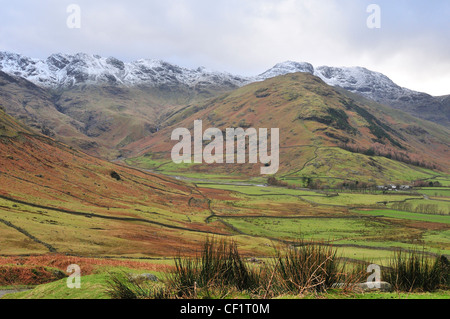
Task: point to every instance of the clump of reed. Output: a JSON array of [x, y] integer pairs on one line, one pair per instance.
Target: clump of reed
[[305, 267], [219, 265], [416, 271]]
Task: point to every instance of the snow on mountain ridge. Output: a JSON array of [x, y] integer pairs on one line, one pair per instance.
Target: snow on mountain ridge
[[374, 86], [360, 80], [63, 70]]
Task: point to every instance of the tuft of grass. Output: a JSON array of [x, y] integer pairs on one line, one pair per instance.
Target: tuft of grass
[[123, 286], [218, 268], [307, 267], [415, 271]]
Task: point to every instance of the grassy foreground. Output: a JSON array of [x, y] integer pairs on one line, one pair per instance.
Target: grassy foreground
[[95, 286], [308, 271]]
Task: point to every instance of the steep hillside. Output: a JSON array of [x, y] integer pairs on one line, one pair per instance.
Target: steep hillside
[[34, 106], [99, 120], [322, 131], [111, 117], [56, 199]]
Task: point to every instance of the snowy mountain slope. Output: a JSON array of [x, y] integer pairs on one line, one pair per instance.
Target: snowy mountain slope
[[286, 68], [63, 70], [380, 88], [374, 86], [370, 84]]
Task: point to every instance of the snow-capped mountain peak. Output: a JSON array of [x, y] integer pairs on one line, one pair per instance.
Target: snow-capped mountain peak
[[286, 68]]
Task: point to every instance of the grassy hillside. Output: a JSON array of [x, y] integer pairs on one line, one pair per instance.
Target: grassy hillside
[[113, 117]]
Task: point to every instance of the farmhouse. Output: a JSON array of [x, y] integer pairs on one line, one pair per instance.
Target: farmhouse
[[394, 187]]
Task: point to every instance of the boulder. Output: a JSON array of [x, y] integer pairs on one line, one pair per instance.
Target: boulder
[[144, 277], [366, 286]]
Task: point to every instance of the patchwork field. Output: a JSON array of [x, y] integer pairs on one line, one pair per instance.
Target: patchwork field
[[348, 220]]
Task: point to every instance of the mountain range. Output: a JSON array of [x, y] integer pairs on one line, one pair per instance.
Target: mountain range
[[333, 126], [64, 71]]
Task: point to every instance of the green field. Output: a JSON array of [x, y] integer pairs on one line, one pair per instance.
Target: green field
[[407, 215], [345, 199], [435, 191], [93, 287], [426, 206], [325, 229], [260, 190]]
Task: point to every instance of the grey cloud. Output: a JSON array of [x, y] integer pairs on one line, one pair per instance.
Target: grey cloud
[[244, 37]]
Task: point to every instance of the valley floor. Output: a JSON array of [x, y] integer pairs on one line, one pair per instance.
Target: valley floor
[[363, 226]]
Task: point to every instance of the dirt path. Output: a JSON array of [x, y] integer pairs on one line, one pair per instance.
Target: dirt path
[[316, 155]]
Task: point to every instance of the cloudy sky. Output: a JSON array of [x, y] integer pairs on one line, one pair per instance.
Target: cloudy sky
[[245, 37]]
